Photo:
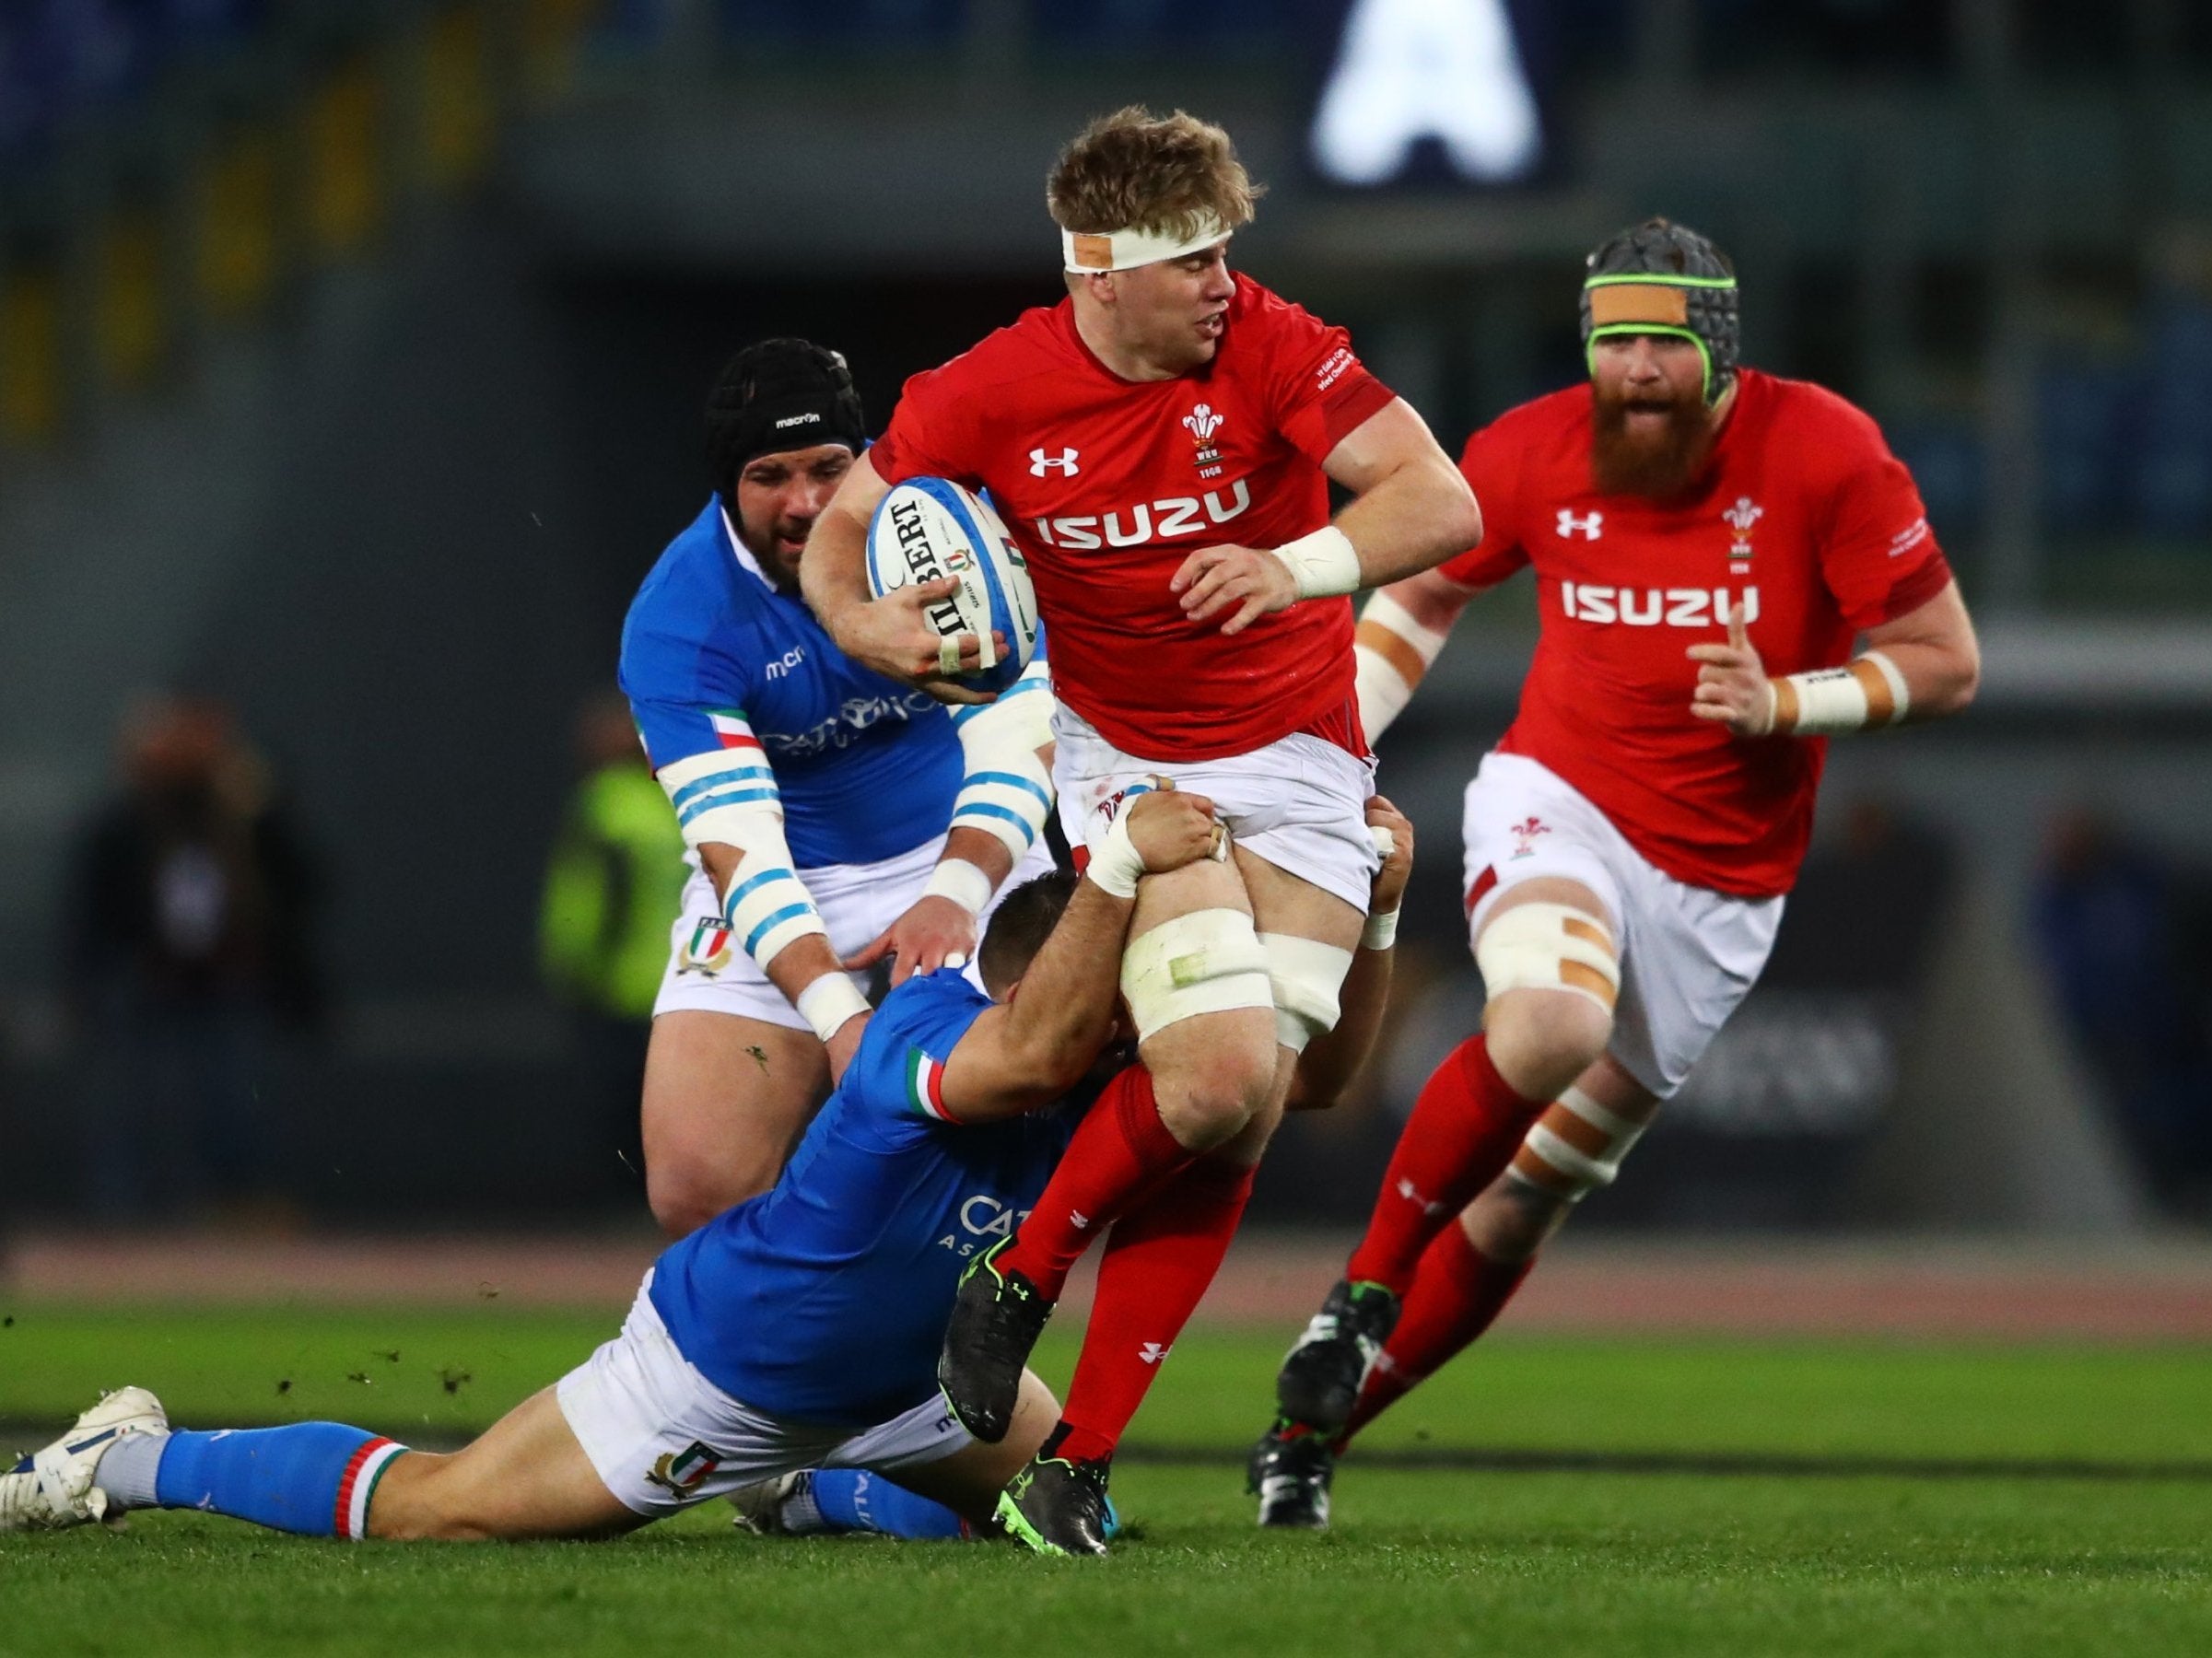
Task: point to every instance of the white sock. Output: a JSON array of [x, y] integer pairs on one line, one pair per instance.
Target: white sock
[[126, 1470]]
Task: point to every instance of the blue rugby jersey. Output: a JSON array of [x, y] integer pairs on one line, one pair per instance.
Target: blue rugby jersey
[[826, 1299], [867, 767]]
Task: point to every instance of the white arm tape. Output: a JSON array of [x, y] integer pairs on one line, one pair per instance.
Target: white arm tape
[[963, 883], [713, 791], [1322, 563], [1870, 691], [829, 1001], [1381, 682], [1007, 793], [1381, 931]]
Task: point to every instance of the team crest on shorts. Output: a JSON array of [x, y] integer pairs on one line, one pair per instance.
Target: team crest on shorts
[[1524, 834], [682, 1471], [710, 948]]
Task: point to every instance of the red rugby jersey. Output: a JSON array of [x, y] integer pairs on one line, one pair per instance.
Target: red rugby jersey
[[1804, 520], [1108, 484]]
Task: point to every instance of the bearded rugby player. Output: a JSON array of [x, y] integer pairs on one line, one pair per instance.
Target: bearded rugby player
[[1709, 541], [830, 814]]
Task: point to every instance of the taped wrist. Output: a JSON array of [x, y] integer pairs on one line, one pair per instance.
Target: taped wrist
[[828, 1002], [1322, 563], [1870, 692], [1391, 653], [1007, 793], [963, 883]]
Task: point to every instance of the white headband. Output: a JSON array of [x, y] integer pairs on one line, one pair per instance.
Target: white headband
[[1084, 252]]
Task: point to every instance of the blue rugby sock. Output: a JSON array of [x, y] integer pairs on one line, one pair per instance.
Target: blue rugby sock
[[855, 1499], [313, 1478]]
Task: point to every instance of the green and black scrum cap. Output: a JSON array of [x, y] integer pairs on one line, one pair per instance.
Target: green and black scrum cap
[[1663, 278]]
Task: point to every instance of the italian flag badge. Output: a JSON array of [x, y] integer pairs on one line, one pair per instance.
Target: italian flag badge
[[731, 729], [925, 1085]]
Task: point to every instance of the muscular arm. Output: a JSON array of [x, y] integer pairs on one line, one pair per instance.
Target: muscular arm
[[1412, 510], [1036, 1044], [1930, 651], [797, 965], [1935, 648]]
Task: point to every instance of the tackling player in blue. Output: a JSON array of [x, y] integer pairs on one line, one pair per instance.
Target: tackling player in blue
[[799, 1330], [832, 815]]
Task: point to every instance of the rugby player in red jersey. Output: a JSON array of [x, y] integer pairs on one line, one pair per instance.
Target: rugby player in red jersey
[[1161, 444], [1709, 541]]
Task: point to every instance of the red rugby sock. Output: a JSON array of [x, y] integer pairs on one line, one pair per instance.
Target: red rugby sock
[[1465, 1128], [1457, 1294], [1120, 1155], [1154, 1271]]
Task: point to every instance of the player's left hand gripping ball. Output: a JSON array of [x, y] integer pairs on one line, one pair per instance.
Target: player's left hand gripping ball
[[927, 531]]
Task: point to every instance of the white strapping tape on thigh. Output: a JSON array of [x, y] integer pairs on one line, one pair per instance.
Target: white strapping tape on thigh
[[1306, 977], [1552, 1162], [1207, 962], [1548, 947]]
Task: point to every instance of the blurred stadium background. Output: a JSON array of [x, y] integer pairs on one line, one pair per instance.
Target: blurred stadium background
[[351, 353]]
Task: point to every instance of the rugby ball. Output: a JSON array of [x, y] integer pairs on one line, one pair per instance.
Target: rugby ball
[[928, 528]]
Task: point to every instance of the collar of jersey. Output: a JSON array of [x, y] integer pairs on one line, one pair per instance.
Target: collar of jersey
[[743, 552]]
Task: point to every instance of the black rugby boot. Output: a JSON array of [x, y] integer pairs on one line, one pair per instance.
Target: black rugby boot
[[1319, 1381], [1057, 1505], [996, 1317], [1290, 1476]]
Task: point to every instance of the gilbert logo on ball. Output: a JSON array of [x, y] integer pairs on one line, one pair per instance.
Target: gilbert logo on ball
[[930, 528]]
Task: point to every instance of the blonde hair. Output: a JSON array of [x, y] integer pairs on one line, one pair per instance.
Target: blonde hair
[[1135, 170]]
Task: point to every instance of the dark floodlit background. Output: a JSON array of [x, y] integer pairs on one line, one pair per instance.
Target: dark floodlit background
[[351, 353]]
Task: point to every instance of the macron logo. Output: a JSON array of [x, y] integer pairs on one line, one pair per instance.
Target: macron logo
[[792, 420]]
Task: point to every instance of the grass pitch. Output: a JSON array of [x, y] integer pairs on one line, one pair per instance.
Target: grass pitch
[[1556, 1497]]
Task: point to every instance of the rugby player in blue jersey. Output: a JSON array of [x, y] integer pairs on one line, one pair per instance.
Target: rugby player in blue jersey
[[833, 815], [799, 1330]]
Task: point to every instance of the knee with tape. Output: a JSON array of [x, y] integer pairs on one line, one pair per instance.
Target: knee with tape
[[1546, 946], [1306, 977], [1574, 1148], [1209, 961]]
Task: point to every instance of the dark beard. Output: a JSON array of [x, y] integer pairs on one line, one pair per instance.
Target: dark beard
[[1659, 468]]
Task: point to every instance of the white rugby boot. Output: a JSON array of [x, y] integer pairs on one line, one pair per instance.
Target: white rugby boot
[[760, 1507], [52, 1489]]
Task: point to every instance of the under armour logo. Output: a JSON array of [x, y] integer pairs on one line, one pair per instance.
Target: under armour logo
[[1151, 1353], [1411, 1194], [1040, 462], [1590, 525], [1078, 1219]]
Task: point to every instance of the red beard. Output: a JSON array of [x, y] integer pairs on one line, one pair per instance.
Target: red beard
[[1657, 465]]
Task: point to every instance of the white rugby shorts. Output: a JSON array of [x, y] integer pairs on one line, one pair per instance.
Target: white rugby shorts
[[708, 973], [1688, 955], [662, 1437], [1300, 802]]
